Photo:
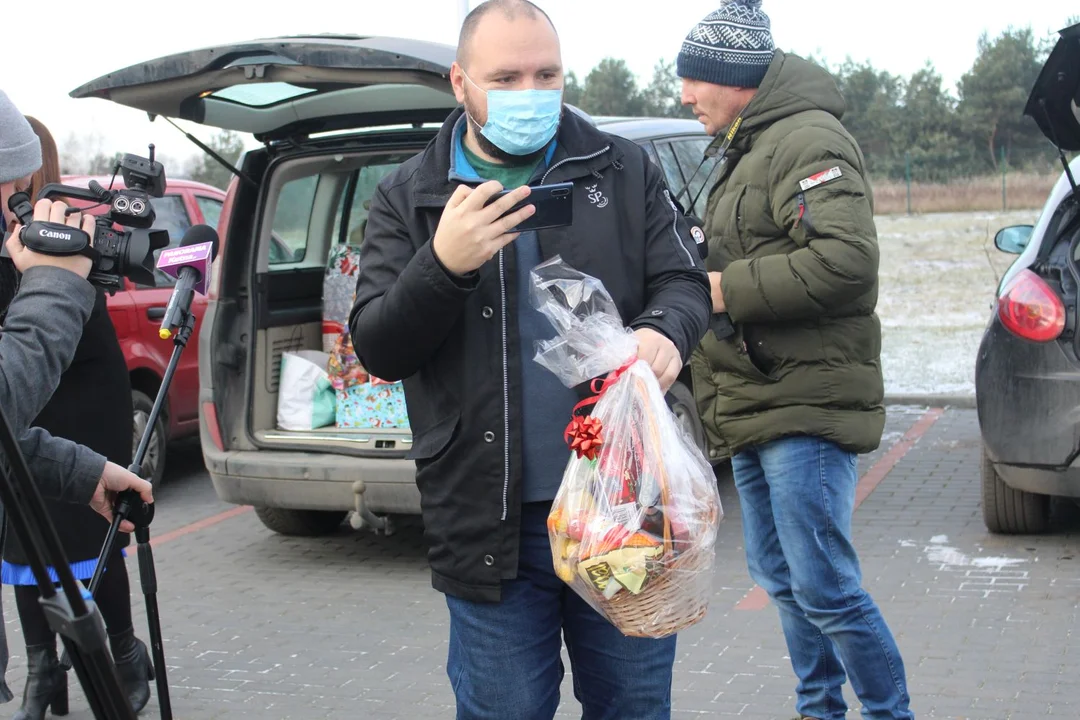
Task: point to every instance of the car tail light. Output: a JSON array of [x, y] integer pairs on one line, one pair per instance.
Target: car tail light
[[212, 426], [1029, 308]]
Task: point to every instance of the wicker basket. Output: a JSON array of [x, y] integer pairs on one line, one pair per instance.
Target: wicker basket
[[676, 597], [679, 585], [664, 606]]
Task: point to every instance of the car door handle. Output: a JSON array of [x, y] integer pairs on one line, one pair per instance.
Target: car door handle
[[155, 313]]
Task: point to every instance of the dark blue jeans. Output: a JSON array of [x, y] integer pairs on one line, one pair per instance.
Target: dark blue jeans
[[797, 496], [505, 658]]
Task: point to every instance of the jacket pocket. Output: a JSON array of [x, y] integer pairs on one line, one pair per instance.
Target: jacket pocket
[[430, 443], [749, 368], [731, 356]]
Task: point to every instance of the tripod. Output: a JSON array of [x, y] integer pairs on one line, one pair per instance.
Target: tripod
[[130, 507], [73, 615]]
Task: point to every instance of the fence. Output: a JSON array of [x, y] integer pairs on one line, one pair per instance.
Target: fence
[[929, 186], [1010, 191]]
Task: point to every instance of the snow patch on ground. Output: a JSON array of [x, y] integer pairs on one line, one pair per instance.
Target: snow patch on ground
[[951, 558]]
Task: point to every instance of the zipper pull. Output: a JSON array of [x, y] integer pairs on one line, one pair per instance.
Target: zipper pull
[[802, 211]]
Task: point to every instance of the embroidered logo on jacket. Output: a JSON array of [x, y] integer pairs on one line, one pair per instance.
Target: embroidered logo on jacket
[[596, 197]]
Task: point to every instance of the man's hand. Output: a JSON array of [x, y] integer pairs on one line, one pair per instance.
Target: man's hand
[[114, 480], [661, 355], [469, 234], [50, 211], [718, 305]]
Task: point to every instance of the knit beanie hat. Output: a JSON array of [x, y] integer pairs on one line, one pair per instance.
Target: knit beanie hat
[[733, 46], [20, 149]]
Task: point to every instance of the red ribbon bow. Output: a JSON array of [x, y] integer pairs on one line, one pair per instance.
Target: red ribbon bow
[[584, 433]]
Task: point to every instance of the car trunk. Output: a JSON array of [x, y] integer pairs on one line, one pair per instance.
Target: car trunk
[[316, 203], [1022, 375], [1054, 105], [298, 198]]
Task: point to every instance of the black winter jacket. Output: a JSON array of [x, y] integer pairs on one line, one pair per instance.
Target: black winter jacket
[[454, 343]]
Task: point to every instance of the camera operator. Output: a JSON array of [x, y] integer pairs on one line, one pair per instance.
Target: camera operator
[[40, 332]]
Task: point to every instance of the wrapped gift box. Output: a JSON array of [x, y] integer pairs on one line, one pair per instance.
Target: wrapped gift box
[[372, 404], [343, 367], [339, 286]]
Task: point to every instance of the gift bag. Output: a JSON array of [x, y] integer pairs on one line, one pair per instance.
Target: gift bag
[[371, 405], [633, 525], [339, 287], [305, 396]]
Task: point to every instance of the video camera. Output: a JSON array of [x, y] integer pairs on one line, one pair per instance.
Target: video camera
[[115, 255]]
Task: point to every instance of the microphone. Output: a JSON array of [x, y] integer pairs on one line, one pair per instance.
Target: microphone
[[190, 265]]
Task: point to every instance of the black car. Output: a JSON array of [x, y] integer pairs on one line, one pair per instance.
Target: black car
[[1027, 374], [334, 114]]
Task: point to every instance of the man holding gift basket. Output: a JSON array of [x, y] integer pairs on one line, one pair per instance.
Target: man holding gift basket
[[797, 392], [444, 303]]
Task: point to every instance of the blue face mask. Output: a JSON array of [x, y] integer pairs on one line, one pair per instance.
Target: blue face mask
[[521, 122]]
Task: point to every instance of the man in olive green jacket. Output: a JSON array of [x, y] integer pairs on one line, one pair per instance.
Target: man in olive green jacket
[[796, 393]]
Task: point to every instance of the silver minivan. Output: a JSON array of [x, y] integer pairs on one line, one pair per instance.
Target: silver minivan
[[335, 114]]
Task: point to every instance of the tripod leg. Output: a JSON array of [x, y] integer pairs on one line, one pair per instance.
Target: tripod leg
[[99, 570], [148, 579]]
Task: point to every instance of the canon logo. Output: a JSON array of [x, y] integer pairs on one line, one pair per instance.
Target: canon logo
[[55, 235]]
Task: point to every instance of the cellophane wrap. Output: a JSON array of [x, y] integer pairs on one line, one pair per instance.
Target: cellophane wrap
[[633, 525]]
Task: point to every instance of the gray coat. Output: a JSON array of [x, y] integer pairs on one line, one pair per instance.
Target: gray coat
[[39, 337], [38, 340]]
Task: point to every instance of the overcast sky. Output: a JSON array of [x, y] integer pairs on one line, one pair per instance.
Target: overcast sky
[[899, 37]]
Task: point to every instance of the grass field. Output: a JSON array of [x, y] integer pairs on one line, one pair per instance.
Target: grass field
[[938, 276], [1022, 191]]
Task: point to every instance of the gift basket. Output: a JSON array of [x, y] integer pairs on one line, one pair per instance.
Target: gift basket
[[633, 525]]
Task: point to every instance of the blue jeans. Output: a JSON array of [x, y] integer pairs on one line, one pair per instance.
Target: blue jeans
[[797, 496], [505, 663]]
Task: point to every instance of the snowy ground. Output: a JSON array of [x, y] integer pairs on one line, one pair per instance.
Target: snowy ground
[[938, 277]]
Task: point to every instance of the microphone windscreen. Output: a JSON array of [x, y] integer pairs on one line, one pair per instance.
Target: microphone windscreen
[[199, 234]]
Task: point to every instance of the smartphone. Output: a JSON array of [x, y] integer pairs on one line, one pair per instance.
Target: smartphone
[[554, 207]]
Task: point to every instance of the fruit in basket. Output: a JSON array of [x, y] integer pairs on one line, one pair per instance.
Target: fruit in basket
[[569, 548], [556, 521], [562, 548], [571, 515], [564, 571], [604, 536]]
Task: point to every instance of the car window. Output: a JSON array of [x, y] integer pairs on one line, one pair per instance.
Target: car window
[[648, 147], [670, 165], [292, 216], [366, 179], [171, 215], [295, 228], [210, 209], [690, 152]]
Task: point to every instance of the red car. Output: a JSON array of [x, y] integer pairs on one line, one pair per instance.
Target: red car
[[136, 311]]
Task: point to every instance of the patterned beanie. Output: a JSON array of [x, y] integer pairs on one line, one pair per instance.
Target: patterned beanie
[[733, 46]]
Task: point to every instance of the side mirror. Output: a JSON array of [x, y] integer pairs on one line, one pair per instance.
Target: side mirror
[[1013, 239]]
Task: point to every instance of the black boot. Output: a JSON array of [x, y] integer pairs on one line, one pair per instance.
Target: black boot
[[46, 684], [134, 667]]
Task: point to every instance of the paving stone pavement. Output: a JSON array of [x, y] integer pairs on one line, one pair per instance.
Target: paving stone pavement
[[261, 626]]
